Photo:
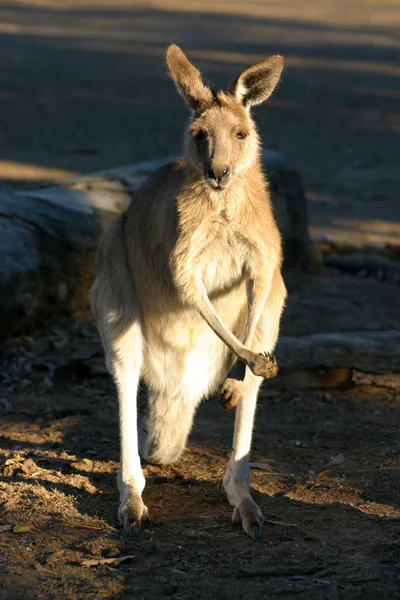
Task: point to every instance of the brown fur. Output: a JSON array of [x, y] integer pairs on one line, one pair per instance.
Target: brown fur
[[198, 240]]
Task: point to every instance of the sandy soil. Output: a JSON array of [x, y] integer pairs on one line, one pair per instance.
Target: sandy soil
[[330, 491]]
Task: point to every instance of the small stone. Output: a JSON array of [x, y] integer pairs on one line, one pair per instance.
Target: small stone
[[5, 404], [62, 291]]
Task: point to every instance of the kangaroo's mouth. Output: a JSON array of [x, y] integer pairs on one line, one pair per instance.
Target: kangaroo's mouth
[[215, 185]]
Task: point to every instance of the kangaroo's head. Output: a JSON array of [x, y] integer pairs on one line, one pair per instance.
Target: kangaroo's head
[[221, 140]]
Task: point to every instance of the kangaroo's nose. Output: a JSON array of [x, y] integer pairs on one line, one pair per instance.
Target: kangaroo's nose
[[219, 174]]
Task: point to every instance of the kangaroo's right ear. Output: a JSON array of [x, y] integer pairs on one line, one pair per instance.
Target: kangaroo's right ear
[[187, 78], [257, 83]]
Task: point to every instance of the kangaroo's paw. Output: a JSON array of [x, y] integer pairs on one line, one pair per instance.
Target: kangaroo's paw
[[132, 512], [250, 516], [230, 393], [264, 365]]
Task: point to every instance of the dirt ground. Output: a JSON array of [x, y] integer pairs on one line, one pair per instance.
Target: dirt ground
[[329, 490]]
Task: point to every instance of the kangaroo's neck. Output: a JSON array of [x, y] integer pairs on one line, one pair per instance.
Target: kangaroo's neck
[[247, 184]]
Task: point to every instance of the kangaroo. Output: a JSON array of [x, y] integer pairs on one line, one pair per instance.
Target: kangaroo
[[188, 291]]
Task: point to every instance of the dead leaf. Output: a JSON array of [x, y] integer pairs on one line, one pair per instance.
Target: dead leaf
[[5, 528], [81, 525], [179, 572], [267, 461], [277, 474], [54, 557], [265, 466], [22, 528], [29, 467], [94, 562], [12, 461], [337, 460], [281, 523]]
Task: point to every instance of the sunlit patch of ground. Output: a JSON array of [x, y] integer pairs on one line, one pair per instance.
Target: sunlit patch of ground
[[33, 174]]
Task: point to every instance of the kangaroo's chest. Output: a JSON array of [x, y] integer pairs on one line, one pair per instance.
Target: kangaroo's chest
[[222, 260], [221, 264]]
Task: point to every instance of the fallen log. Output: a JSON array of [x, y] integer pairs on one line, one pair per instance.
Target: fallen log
[[48, 237], [368, 351]]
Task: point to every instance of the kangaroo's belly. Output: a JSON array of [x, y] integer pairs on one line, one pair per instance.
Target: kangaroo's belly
[[182, 351]]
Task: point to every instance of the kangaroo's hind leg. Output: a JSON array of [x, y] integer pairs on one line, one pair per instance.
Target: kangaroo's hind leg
[[125, 365], [115, 308], [123, 349]]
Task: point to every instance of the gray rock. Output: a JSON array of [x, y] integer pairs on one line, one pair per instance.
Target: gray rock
[[290, 206]]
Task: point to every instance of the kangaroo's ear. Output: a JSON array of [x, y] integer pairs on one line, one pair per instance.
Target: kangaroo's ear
[[187, 78], [257, 83]]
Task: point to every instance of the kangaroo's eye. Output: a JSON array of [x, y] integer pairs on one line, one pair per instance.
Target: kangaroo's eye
[[241, 135], [200, 135]]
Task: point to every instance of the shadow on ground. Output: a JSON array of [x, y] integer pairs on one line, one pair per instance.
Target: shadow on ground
[[329, 529]]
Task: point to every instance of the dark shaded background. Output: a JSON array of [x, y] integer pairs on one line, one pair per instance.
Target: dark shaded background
[[83, 87]]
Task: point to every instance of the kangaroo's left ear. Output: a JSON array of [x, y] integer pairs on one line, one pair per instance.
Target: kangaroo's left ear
[[257, 83], [187, 78]]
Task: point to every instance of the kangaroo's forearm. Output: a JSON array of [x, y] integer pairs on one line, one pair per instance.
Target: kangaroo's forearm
[[204, 307], [257, 293]]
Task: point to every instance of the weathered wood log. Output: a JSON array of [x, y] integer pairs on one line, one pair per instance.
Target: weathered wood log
[[333, 377], [48, 236], [331, 360], [367, 351], [365, 263], [386, 380]]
